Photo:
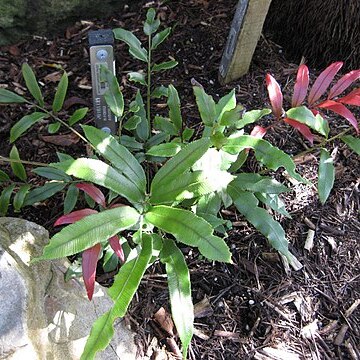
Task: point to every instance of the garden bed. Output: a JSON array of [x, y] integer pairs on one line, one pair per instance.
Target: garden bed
[[255, 305]]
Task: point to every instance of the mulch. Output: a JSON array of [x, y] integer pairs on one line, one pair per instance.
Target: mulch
[[255, 308]]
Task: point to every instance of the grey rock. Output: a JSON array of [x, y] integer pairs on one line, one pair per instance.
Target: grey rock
[[22, 18], [41, 315]]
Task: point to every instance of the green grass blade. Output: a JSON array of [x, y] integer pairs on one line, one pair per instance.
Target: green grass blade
[[43, 192], [99, 173], [181, 162], [352, 142], [24, 124], [247, 204], [119, 156], [173, 103], [20, 197], [135, 48], [113, 96], [60, 93], [89, 231], [187, 186], [189, 229], [269, 155], [8, 97], [17, 167], [326, 176], [5, 199], [71, 198], [178, 276], [31, 83], [125, 285]]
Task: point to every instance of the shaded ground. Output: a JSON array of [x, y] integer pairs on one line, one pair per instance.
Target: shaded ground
[[255, 308]]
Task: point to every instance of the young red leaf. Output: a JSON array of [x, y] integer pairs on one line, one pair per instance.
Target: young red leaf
[[343, 83], [74, 216], [116, 205], [353, 98], [258, 131], [302, 128], [315, 112], [341, 110], [94, 192], [114, 242], [275, 95], [89, 262], [301, 86], [323, 81]]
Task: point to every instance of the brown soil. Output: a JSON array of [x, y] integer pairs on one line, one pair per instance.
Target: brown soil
[[256, 308]]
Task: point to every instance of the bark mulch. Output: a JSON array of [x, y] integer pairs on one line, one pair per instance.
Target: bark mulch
[[256, 308]]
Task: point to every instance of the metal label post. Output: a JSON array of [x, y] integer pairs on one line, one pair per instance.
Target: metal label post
[[102, 54]]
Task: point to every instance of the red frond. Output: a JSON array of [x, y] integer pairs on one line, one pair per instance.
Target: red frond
[[343, 83], [301, 86], [258, 131], [323, 81], [353, 98], [74, 216], [94, 192], [275, 95], [342, 110], [114, 242], [89, 262], [302, 128]]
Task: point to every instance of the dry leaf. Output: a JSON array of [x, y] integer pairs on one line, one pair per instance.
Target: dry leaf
[[203, 308], [53, 77], [74, 100], [14, 50], [62, 140], [163, 318]]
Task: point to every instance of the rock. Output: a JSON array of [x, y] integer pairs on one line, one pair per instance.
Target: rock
[[21, 18], [41, 316]]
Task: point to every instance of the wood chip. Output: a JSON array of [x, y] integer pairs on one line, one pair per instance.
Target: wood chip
[[351, 350], [341, 335], [227, 334], [331, 242], [269, 353], [352, 308], [310, 330], [309, 243], [309, 223], [200, 334]]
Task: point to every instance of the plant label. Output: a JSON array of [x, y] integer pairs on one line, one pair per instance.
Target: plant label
[[102, 54]]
